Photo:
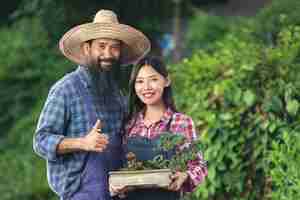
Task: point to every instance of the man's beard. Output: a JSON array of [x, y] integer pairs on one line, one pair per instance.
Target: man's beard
[[104, 79]]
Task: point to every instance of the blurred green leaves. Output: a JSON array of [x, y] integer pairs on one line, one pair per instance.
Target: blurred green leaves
[[27, 68], [243, 93]]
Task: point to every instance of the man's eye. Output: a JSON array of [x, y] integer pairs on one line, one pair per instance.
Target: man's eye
[[102, 46], [116, 47]]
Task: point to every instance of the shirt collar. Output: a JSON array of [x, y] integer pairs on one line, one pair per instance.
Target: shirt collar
[[165, 118], [167, 115], [84, 76]]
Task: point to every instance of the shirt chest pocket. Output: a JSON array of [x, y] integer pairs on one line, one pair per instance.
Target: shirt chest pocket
[[78, 123], [112, 114], [112, 125], [113, 128]]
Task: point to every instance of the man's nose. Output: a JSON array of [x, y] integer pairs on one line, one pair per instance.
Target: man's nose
[[107, 53]]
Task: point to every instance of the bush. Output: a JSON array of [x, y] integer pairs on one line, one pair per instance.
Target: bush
[[276, 16], [284, 165], [204, 30], [29, 67], [23, 173], [242, 97]]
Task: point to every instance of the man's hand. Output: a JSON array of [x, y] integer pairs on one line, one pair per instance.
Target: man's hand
[[177, 180], [95, 140]]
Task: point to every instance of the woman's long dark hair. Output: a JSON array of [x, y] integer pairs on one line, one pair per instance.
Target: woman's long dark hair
[[134, 103]]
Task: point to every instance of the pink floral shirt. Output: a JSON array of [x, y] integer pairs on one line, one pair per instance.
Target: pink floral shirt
[[197, 169]]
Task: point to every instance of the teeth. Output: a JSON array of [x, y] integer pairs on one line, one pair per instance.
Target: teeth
[[148, 95]]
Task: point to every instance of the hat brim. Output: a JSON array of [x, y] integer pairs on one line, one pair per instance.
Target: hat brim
[[135, 44]]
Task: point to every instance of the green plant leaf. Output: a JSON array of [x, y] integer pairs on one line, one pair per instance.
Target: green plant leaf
[[292, 107]]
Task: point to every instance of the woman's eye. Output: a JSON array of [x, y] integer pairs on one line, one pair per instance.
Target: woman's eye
[[139, 81]]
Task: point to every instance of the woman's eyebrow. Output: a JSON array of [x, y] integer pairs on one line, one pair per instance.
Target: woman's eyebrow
[[150, 76]]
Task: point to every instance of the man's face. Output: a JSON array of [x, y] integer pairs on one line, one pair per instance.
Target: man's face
[[104, 53]]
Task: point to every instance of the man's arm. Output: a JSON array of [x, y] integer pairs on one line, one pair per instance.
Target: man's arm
[[51, 124], [69, 145], [50, 141]]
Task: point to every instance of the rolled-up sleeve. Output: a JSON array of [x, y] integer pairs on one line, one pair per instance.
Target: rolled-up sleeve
[[197, 171], [197, 168], [51, 125]]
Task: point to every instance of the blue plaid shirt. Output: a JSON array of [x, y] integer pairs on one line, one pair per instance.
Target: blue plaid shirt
[[65, 116]]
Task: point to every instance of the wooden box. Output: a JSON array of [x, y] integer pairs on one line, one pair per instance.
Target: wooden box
[[140, 178]]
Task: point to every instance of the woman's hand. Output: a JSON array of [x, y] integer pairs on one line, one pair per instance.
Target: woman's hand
[[177, 180], [121, 192], [117, 191]]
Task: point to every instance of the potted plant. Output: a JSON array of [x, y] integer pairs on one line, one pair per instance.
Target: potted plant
[[156, 172]]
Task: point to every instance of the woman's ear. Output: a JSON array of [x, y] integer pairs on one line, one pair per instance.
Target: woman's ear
[[168, 83]]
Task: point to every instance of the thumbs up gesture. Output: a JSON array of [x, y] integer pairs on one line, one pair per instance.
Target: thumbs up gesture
[[95, 140]]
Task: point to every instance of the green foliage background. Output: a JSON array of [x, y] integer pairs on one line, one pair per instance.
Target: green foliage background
[[240, 84], [243, 93]]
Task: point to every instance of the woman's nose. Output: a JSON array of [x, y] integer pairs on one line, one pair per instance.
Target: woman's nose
[[147, 85]]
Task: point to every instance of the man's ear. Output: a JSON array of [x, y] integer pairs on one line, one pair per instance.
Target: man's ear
[[85, 48], [168, 83]]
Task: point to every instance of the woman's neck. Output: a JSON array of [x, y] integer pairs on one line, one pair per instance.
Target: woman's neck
[[154, 113]]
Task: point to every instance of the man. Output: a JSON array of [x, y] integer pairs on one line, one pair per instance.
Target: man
[[79, 130]]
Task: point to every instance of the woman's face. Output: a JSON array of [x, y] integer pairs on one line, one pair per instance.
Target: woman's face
[[150, 85]]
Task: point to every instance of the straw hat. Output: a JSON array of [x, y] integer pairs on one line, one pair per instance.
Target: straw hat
[[105, 25]]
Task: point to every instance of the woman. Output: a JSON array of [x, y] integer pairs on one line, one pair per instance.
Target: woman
[[152, 112]]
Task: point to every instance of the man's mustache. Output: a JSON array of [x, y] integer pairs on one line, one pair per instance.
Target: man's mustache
[[111, 60]]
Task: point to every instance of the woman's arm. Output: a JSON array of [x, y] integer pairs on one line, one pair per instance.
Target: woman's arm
[[197, 168]]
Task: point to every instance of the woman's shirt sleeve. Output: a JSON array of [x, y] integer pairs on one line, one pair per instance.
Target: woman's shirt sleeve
[[197, 168]]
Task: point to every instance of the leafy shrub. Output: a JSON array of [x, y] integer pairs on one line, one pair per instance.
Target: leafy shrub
[[23, 173], [241, 97], [29, 67], [204, 30], [284, 165], [270, 20]]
